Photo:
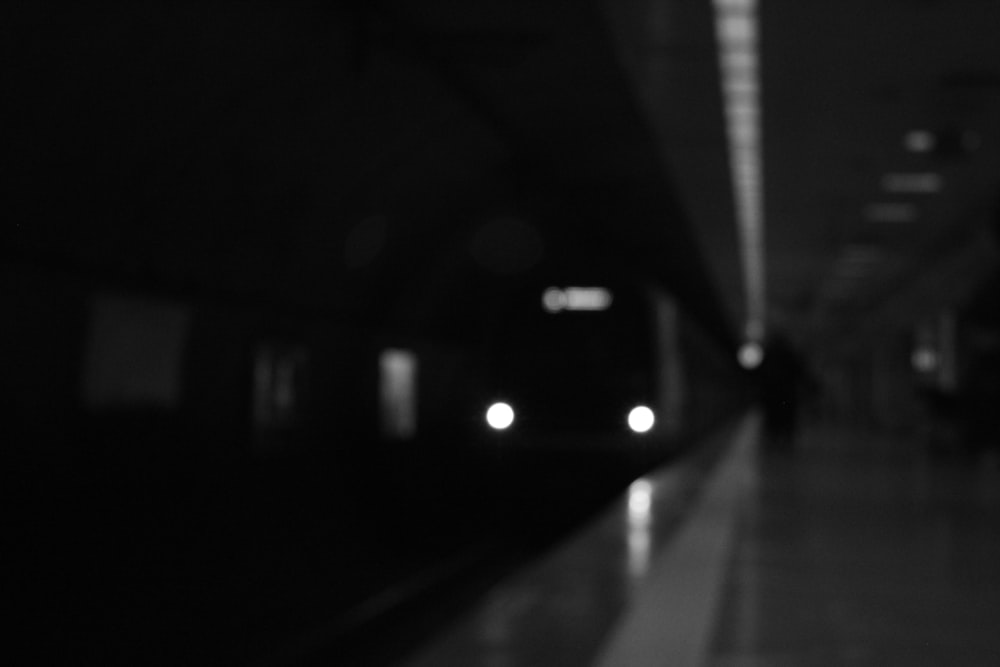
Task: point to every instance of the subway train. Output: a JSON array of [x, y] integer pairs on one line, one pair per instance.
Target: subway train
[[582, 353], [582, 358]]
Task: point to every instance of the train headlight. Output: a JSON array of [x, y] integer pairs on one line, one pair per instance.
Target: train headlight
[[500, 416], [641, 419]]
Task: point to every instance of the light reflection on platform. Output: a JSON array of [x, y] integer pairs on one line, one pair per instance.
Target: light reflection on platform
[[639, 538], [563, 609]]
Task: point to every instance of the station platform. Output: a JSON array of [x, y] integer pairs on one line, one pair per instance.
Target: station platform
[[852, 548]]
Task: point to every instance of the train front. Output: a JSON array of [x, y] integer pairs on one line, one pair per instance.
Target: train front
[[574, 359]]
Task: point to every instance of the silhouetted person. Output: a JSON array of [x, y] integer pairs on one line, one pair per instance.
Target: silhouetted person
[[780, 377]]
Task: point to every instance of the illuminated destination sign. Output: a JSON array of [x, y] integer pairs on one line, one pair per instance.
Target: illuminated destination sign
[[557, 299]]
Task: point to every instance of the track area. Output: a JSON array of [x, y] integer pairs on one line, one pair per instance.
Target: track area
[[281, 561]]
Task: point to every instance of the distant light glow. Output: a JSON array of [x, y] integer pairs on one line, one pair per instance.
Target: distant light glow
[[555, 299], [500, 416], [924, 360], [890, 212], [750, 355], [641, 419], [915, 183], [919, 141], [737, 32]]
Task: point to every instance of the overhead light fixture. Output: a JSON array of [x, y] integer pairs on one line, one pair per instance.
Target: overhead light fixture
[[737, 31], [950, 142], [750, 355], [890, 212], [737, 26], [741, 61], [915, 183], [735, 5], [919, 141]]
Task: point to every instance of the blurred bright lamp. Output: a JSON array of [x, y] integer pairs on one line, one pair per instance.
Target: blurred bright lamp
[[641, 419], [500, 416], [751, 355]]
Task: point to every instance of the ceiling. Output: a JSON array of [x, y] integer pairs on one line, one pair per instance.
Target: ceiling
[[357, 160], [844, 85], [849, 257]]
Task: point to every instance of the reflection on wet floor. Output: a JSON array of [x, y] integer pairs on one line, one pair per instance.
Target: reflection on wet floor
[[591, 592], [860, 549]]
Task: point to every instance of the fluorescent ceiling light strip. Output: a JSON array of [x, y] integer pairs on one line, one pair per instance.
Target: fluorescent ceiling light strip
[[737, 27], [737, 33], [739, 60], [920, 141], [735, 5]]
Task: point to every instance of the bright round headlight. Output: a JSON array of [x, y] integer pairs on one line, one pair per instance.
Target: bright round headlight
[[500, 416], [641, 419]]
